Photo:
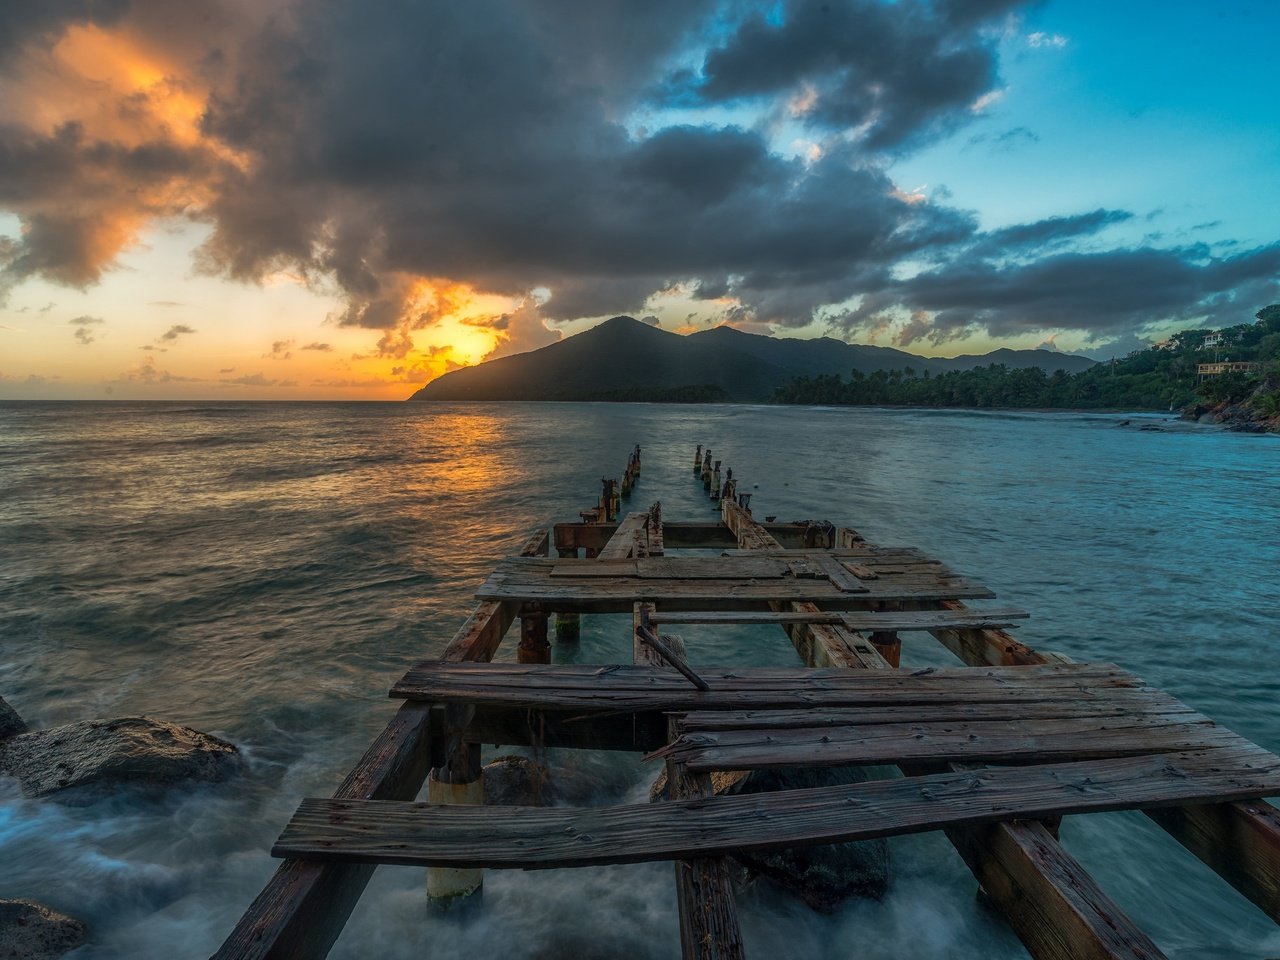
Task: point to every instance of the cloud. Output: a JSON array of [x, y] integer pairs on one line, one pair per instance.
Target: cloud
[[176, 331], [1105, 294], [526, 144], [520, 331], [896, 73], [146, 372], [84, 328], [1041, 39], [259, 380], [1006, 141], [279, 350]]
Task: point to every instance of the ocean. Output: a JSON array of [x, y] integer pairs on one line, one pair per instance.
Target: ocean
[[265, 571]]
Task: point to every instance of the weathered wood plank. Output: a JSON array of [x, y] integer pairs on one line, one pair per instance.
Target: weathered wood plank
[[1062, 913], [1240, 840], [1071, 917], [303, 907], [688, 535], [623, 542], [1112, 708], [628, 688], [704, 886], [1001, 741], [525, 837], [900, 621]]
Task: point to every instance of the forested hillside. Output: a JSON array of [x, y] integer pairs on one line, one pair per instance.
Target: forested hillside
[[1159, 378]]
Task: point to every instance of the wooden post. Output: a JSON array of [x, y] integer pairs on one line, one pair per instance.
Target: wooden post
[[1049, 900], [697, 461], [706, 470], [888, 645], [704, 886], [715, 482], [461, 781], [568, 625], [534, 647], [637, 460]]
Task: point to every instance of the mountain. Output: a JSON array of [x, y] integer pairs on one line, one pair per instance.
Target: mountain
[[624, 359]]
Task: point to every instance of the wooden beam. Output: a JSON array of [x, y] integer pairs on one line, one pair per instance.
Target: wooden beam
[[1072, 917], [1239, 840], [303, 907], [1062, 913], [900, 621], [626, 538], [1050, 740], [531, 837], [704, 885]]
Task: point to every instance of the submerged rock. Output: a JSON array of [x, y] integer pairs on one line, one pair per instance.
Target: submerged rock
[[519, 781], [823, 876], [11, 724], [31, 931], [108, 752], [515, 781]]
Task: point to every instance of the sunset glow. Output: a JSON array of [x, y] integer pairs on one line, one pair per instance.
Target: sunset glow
[[315, 224]]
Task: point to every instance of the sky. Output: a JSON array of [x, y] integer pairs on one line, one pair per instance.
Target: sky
[[250, 199]]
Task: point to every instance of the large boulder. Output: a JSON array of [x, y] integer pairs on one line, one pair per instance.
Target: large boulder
[[825, 875], [11, 724], [515, 781], [108, 752], [31, 931], [519, 781]]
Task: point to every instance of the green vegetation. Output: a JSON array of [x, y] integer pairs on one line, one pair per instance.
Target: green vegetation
[[1158, 378]]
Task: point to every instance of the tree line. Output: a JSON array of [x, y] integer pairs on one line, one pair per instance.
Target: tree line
[[1158, 378]]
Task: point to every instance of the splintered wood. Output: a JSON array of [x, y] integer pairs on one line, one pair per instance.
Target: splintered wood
[[992, 752]]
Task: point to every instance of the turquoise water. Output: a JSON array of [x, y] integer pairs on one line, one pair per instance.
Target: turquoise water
[[266, 571]]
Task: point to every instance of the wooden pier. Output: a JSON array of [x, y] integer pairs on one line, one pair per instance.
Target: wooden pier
[[993, 752]]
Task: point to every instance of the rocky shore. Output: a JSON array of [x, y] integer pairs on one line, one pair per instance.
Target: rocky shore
[[75, 762], [1240, 417]]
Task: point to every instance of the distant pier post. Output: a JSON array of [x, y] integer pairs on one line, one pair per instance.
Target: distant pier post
[[568, 625], [534, 646], [697, 461], [461, 781], [715, 481]]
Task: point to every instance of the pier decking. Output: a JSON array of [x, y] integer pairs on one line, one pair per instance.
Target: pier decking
[[993, 752]]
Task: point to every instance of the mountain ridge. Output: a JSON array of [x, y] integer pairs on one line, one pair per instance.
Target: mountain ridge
[[624, 358]]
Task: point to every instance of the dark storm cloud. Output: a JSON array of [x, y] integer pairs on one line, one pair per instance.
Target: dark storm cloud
[[902, 71], [1042, 235], [1104, 294], [373, 147], [76, 194], [25, 21]]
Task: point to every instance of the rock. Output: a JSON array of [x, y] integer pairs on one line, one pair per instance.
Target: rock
[[519, 781], [826, 875], [823, 876], [515, 781], [31, 931], [110, 752], [11, 724]]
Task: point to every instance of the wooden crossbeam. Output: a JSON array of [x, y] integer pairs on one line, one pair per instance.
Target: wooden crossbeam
[[1069, 915], [623, 543], [897, 621], [302, 909], [704, 885], [628, 688], [996, 741], [527, 837]]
